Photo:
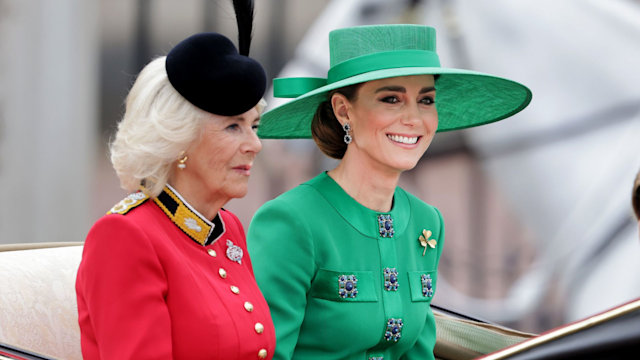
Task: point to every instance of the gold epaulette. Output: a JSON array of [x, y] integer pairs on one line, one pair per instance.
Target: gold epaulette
[[132, 200]]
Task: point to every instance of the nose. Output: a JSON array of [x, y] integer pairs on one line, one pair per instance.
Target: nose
[[411, 115], [252, 143]]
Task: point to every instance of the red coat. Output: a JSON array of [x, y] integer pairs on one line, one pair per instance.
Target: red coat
[[147, 290]]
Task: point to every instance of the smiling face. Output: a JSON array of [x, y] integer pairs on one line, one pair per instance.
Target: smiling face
[[219, 162], [393, 121]]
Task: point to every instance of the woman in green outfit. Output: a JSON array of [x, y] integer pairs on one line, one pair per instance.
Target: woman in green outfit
[[348, 261]]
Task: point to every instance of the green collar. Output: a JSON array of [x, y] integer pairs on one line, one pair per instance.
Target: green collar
[[360, 217], [190, 221]]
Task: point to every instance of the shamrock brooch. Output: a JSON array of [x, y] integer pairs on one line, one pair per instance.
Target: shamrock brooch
[[425, 241]]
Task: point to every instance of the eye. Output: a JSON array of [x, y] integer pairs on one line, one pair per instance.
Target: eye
[[390, 99], [233, 127], [427, 100], [255, 126]]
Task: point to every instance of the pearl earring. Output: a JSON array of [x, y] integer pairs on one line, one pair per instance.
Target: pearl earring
[[182, 163]]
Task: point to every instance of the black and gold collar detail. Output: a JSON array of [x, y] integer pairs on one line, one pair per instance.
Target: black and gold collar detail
[[196, 226], [132, 201]]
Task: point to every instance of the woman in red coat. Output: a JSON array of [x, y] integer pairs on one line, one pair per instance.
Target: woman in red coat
[[166, 273]]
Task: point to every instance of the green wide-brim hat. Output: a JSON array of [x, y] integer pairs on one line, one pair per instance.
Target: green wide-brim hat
[[358, 54]]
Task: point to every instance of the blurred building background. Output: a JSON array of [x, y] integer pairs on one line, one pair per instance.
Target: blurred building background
[[537, 210]]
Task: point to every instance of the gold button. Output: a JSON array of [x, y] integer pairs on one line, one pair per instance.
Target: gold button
[[259, 328], [235, 290], [248, 306], [223, 273], [212, 252], [262, 354]]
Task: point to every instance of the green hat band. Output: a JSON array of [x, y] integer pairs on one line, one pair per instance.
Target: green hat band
[[294, 87], [382, 60]]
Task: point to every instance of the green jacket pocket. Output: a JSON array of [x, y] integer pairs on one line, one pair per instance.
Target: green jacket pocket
[[344, 286], [422, 284]]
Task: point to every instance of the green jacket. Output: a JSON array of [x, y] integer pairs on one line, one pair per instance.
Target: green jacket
[[327, 267]]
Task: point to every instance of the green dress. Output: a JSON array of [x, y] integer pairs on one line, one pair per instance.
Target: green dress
[[343, 281]]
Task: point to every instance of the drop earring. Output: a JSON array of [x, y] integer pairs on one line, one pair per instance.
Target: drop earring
[[347, 136], [182, 163]]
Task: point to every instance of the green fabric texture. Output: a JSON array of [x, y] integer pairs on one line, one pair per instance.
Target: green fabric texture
[[303, 241], [363, 53]]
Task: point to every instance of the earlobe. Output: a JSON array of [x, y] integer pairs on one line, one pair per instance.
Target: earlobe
[[340, 106]]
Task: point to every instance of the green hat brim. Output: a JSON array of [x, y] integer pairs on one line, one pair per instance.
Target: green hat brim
[[464, 99]]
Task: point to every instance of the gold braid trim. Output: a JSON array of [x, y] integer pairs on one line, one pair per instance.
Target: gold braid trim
[[189, 221], [132, 201]]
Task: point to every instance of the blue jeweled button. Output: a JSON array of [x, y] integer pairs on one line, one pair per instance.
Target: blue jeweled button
[[347, 286], [394, 330], [385, 225], [427, 285], [390, 279]]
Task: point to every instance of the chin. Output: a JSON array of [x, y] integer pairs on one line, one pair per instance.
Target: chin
[[239, 193], [407, 165]]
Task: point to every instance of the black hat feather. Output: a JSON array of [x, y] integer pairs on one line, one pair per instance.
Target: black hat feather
[[244, 18], [208, 71]]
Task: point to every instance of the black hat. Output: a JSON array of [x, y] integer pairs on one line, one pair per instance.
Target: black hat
[[209, 72]]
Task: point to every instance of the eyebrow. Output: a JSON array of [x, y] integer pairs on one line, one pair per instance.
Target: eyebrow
[[242, 118], [403, 90]]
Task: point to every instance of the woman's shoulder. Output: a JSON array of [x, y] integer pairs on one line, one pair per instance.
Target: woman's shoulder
[[298, 197], [116, 235], [296, 208], [418, 205], [131, 213], [129, 203]]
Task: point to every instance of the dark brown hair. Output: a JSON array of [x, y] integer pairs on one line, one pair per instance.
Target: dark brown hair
[[325, 127]]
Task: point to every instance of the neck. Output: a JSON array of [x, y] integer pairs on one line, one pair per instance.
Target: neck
[[205, 205], [370, 186]]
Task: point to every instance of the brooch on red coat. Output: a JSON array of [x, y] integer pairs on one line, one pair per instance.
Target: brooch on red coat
[[234, 252], [425, 241]]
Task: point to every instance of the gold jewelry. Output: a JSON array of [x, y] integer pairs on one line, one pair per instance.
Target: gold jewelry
[[425, 241], [182, 162]]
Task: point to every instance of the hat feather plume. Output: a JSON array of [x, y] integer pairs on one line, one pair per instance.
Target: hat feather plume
[[244, 18]]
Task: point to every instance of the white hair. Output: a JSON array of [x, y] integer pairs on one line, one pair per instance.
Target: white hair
[[157, 127]]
